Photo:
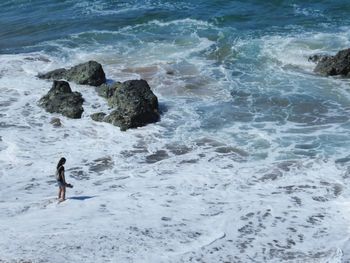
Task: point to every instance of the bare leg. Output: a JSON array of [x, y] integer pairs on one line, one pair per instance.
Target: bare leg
[[59, 192], [63, 193]]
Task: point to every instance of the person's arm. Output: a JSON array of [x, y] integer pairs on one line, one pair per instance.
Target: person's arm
[[63, 177], [64, 181]]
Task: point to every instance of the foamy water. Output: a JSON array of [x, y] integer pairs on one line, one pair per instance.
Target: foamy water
[[249, 162]]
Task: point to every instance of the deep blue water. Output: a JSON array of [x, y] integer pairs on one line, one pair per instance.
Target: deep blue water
[[27, 23]]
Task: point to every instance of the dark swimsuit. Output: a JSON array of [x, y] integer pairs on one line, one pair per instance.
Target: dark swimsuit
[[60, 178]]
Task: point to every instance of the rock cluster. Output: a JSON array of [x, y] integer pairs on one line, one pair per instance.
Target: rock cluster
[[333, 65], [61, 99], [89, 73], [133, 101]]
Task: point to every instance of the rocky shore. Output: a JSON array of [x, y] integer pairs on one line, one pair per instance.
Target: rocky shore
[[89, 73], [328, 65], [61, 99], [133, 102]]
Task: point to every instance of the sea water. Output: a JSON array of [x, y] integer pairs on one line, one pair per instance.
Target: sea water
[[249, 162]]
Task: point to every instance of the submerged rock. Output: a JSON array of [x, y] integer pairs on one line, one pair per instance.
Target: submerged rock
[[89, 73], [101, 164], [316, 58], [56, 74], [157, 156], [106, 90], [333, 65], [135, 103], [61, 99], [56, 122], [99, 116]]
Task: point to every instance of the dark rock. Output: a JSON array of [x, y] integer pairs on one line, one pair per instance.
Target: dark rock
[[170, 72], [106, 91], [89, 73], [271, 176], [56, 74], [178, 149], [343, 160], [233, 150], [56, 122], [135, 104], [99, 116], [157, 156], [334, 65], [61, 99], [313, 58], [316, 58]]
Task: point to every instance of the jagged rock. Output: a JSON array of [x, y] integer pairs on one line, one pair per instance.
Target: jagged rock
[[61, 99], [135, 104], [56, 74], [89, 73], [56, 122], [99, 116], [316, 58], [334, 65], [106, 90]]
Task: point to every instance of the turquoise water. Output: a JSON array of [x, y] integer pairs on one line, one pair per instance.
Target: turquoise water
[[254, 52]]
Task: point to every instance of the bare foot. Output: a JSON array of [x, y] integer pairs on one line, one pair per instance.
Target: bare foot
[[61, 200]]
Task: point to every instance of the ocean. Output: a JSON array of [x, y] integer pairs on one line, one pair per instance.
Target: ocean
[[248, 163]]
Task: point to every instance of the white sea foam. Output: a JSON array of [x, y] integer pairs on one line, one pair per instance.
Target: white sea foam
[[180, 22], [295, 50], [208, 182], [101, 8], [173, 67], [309, 12]]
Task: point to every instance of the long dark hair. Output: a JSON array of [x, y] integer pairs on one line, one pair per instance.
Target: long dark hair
[[61, 162]]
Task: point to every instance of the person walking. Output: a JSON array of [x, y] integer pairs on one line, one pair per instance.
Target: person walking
[[61, 180]]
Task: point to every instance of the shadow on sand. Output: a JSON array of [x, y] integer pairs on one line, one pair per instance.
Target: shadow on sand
[[81, 198]]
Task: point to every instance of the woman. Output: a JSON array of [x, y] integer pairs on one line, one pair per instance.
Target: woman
[[61, 180]]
